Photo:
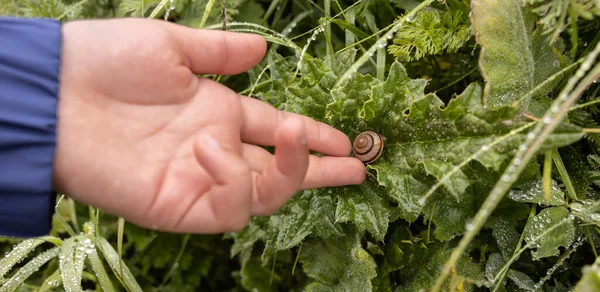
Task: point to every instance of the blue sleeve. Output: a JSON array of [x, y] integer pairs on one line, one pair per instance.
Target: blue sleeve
[[30, 51]]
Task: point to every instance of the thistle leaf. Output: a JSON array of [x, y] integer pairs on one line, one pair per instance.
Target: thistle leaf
[[338, 264]]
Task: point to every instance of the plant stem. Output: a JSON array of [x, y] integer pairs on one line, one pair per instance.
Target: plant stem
[[562, 170], [329, 48]]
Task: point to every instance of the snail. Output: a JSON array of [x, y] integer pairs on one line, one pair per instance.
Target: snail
[[367, 146]]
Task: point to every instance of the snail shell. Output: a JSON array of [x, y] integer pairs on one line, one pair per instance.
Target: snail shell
[[367, 146]]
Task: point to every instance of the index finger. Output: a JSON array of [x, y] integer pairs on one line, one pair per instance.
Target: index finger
[[261, 120]]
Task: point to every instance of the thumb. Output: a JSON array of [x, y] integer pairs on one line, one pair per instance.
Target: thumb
[[217, 52]]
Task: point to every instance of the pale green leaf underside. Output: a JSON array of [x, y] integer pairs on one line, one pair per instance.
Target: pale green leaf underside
[[506, 60]]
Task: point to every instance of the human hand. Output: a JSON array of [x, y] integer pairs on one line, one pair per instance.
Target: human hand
[[142, 137]]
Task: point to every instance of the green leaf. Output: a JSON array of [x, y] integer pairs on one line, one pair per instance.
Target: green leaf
[[586, 210], [493, 265], [98, 267], [307, 213], [548, 244], [425, 265], [245, 239], [451, 216], [521, 280], [255, 276], [365, 208], [20, 252], [506, 237], [505, 60], [71, 277], [112, 257], [52, 282], [338, 264], [591, 279], [533, 192], [31, 267], [431, 32]]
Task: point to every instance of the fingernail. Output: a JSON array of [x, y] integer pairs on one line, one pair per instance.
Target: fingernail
[[211, 142]]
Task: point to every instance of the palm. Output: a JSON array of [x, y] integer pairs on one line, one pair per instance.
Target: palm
[[139, 151]]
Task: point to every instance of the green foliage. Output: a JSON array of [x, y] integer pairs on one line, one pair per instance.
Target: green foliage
[[443, 155], [431, 32], [558, 15]]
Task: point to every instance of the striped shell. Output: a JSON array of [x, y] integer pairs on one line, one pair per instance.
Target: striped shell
[[367, 147]]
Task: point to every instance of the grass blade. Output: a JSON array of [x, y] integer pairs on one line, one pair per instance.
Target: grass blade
[[99, 270], [51, 282], [31, 267], [120, 229], [547, 176], [67, 266], [560, 166], [113, 259], [21, 251]]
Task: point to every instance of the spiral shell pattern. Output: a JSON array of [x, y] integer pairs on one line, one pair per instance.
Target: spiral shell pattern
[[367, 146]]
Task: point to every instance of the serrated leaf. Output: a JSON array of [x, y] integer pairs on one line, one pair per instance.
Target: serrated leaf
[[450, 216], [562, 235], [245, 239], [533, 192], [31, 267], [338, 264], [506, 60], [424, 268], [256, 276], [307, 213], [365, 208]]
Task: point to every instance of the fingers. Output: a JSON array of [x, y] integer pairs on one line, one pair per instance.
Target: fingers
[[261, 121], [322, 171], [217, 52], [229, 196], [285, 171]]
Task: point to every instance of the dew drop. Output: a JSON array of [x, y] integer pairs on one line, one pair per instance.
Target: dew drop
[[485, 147], [469, 226], [505, 177], [530, 135], [577, 207], [547, 120]]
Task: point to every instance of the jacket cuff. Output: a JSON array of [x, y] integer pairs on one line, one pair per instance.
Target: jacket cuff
[[30, 52]]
